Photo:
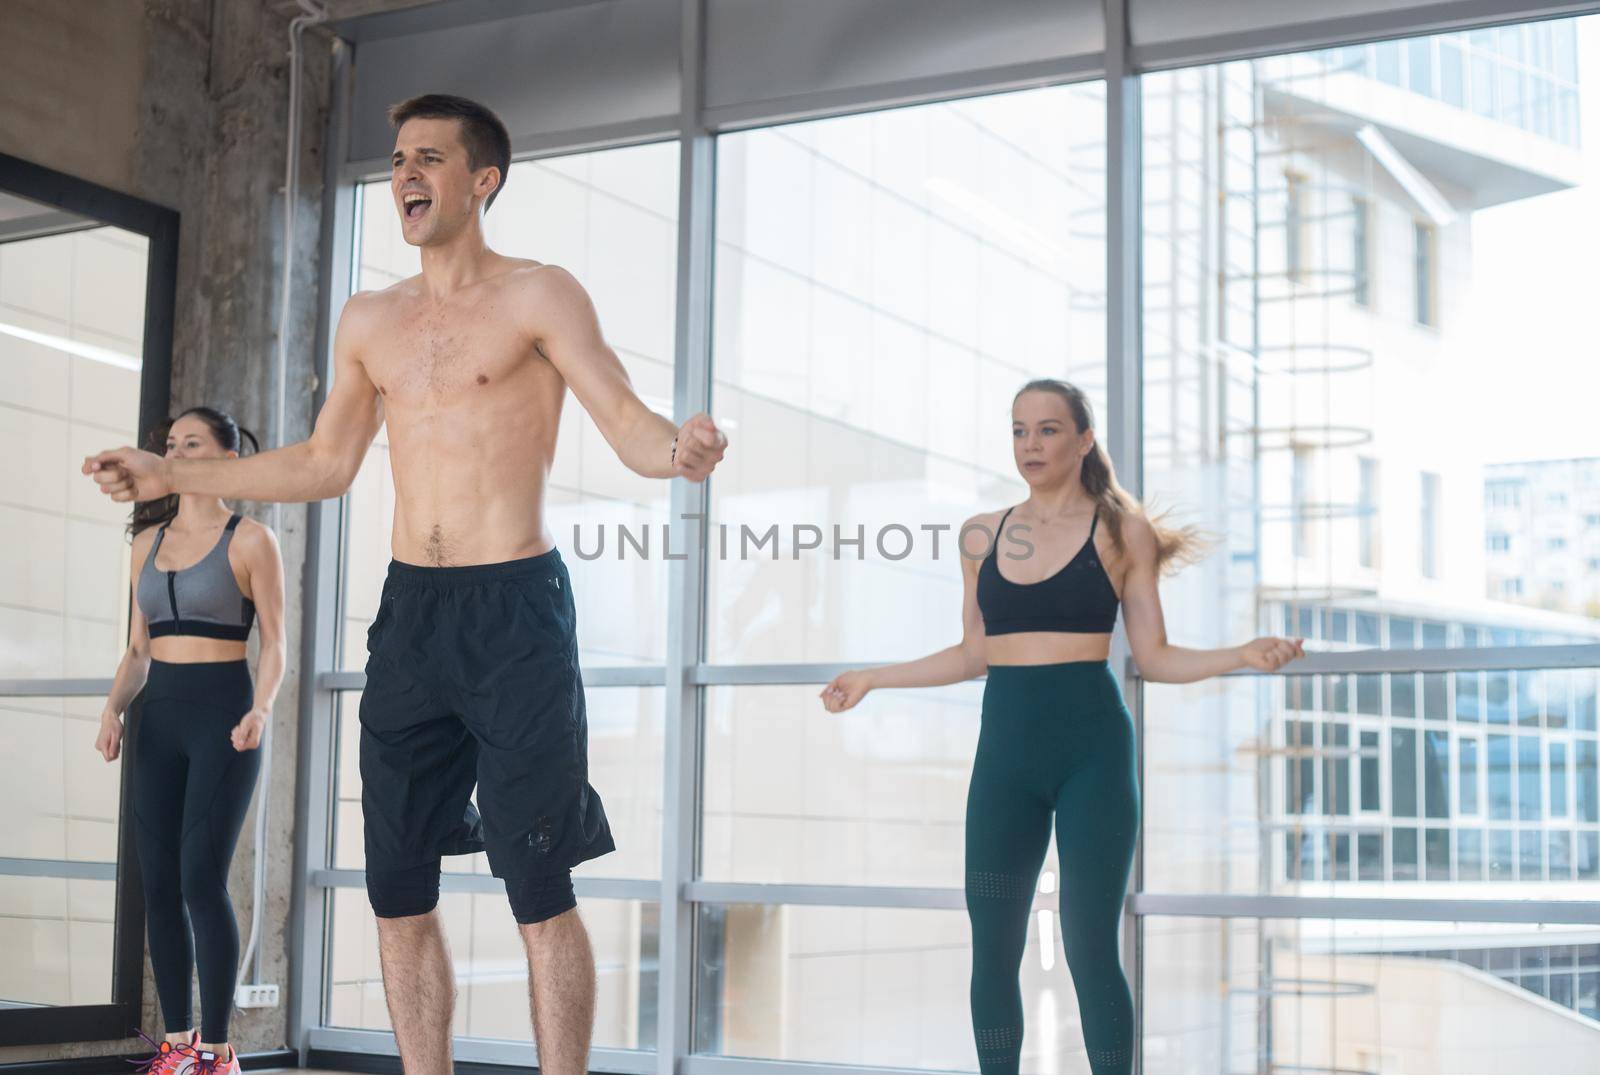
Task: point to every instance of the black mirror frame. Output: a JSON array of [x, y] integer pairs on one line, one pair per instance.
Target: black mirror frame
[[159, 225]]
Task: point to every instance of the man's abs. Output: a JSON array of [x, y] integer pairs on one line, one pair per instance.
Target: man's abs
[[478, 502], [472, 410]]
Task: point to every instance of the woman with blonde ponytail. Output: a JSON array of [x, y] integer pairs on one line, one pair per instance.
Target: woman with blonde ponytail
[[1056, 743]]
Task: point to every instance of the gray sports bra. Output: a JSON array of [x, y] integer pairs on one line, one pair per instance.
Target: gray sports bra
[[202, 600]]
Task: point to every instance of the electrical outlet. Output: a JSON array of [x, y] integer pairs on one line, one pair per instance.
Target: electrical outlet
[[256, 996]]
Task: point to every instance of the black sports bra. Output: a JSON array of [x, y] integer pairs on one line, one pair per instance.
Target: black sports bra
[[1079, 598]]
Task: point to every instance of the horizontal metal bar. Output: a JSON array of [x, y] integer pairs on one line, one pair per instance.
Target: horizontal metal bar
[[729, 892], [1404, 20], [767, 675], [1463, 659], [54, 688], [653, 675], [1531, 912], [480, 1050], [650, 675], [724, 119], [598, 888], [77, 871], [703, 1064]]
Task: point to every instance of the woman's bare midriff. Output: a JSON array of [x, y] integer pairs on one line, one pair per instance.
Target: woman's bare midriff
[[189, 649], [1045, 647]]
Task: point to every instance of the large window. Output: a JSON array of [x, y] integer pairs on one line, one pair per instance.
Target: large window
[[1349, 326], [885, 284], [1399, 772]]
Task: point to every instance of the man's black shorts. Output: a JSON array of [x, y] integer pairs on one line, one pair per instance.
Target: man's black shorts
[[472, 678]]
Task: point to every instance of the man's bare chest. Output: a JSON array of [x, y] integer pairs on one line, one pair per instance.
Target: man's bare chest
[[438, 359]]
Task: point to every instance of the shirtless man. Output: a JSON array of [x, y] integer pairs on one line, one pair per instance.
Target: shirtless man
[[472, 671]]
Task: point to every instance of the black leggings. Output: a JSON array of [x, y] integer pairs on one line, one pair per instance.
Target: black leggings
[[190, 793]]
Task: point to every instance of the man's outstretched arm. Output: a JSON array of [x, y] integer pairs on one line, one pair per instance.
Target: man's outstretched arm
[[561, 319], [319, 467]]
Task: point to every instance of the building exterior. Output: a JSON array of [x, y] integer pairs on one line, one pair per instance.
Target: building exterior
[[1543, 534]]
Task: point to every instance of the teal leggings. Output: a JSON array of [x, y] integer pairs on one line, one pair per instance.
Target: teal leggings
[[1056, 744]]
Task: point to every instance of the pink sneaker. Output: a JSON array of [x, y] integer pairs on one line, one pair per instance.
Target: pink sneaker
[[209, 1063], [168, 1059]]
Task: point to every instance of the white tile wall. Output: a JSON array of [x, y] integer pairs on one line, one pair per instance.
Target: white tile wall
[[38, 447], [35, 375], [36, 969], [34, 798], [36, 580], [108, 285], [36, 275], [106, 396]]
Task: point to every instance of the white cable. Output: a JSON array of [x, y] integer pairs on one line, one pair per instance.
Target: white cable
[[313, 12]]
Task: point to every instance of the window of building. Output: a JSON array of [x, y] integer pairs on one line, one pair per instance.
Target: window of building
[[1428, 546], [1426, 284], [1419, 65], [1499, 542], [1389, 62], [1467, 750], [1368, 505], [1301, 490], [1482, 97], [1294, 225], [1504, 493], [1452, 89], [1361, 250]]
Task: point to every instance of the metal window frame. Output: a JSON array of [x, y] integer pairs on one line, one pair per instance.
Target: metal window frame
[[685, 674]]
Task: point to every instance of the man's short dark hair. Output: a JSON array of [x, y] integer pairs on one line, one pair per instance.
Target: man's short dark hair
[[482, 132]]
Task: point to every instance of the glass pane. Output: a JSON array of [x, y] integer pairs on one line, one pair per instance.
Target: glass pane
[[1268, 356], [1322, 780], [60, 802], [1468, 779], [884, 285], [870, 986], [491, 969], [875, 795], [1280, 371], [71, 348], [1403, 772], [1321, 995], [625, 767], [57, 934], [60, 797], [1469, 854], [609, 217]]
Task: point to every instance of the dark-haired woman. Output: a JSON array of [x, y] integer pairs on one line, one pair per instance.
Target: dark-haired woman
[[1056, 741], [202, 574]]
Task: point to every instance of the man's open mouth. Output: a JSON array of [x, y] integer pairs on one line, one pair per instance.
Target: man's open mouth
[[416, 206]]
